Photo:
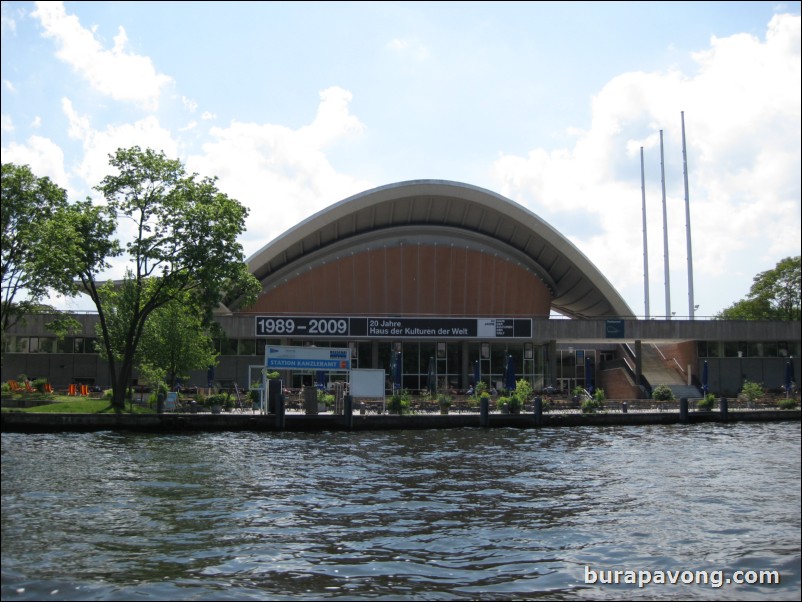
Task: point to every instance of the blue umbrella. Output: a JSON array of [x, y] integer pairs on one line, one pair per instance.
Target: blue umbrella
[[397, 371], [431, 377], [210, 376], [588, 376], [477, 375], [789, 373], [320, 379], [509, 374], [704, 378]]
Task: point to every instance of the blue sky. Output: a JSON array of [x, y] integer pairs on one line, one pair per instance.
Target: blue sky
[[295, 106]]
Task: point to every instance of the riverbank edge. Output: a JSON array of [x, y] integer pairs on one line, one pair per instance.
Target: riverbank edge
[[23, 422]]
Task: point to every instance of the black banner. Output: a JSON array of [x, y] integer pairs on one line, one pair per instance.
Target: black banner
[[393, 328]]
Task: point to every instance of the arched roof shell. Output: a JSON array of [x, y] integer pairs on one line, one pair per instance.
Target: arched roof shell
[[445, 210]]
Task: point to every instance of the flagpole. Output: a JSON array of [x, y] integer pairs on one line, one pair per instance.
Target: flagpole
[[691, 306], [645, 245], [665, 230]]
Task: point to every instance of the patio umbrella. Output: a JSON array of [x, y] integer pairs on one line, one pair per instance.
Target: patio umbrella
[[477, 375], [431, 377], [320, 379], [789, 373], [397, 371], [704, 378], [509, 374], [588, 376], [210, 376]]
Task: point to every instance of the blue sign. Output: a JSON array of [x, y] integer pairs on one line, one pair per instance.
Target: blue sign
[[330, 359]]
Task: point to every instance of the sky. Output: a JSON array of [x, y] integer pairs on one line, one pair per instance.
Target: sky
[[294, 106]]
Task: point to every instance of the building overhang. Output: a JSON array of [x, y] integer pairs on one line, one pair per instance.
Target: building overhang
[[445, 212]]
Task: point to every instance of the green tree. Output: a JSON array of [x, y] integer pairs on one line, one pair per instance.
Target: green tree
[[182, 240], [176, 340], [774, 295], [522, 394], [28, 205]]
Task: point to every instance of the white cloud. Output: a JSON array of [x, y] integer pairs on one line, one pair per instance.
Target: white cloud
[[412, 48], [742, 118], [206, 116], [9, 85], [43, 156], [116, 73], [6, 123], [7, 21], [99, 144], [189, 104], [282, 175]]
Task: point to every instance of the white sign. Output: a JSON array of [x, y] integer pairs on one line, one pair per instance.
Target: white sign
[[331, 359]]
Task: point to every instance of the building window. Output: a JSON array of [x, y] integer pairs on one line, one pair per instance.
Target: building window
[[247, 347]]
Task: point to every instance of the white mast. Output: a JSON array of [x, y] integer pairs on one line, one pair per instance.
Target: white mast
[[645, 245], [665, 230], [691, 306]]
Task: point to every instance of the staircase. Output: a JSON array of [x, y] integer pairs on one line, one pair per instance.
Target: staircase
[[658, 371]]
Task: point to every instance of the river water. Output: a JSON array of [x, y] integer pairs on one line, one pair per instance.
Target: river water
[[487, 514]]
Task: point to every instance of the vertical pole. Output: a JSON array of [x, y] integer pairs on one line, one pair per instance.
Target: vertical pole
[[665, 230], [348, 412], [645, 238], [691, 306], [683, 410], [281, 420]]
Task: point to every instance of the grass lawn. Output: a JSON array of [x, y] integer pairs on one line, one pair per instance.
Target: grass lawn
[[63, 404]]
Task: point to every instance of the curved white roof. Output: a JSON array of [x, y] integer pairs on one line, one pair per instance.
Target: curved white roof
[[445, 210]]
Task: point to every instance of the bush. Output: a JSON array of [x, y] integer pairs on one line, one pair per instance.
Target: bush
[[325, 398], [502, 401], [218, 399], [663, 393], [590, 406], [752, 391], [706, 403], [399, 403], [787, 404]]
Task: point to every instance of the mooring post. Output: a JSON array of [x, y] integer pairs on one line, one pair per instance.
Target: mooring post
[[538, 410], [280, 414], [723, 408], [484, 412], [348, 412], [683, 410]]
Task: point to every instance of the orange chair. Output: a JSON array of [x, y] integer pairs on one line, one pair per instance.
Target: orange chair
[[48, 388], [14, 386], [84, 390], [72, 390], [28, 387]]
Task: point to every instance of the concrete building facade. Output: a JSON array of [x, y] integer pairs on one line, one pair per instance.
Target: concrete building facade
[[455, 275]]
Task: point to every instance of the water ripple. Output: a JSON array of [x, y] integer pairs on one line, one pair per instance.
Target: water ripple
[[406, 515]]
